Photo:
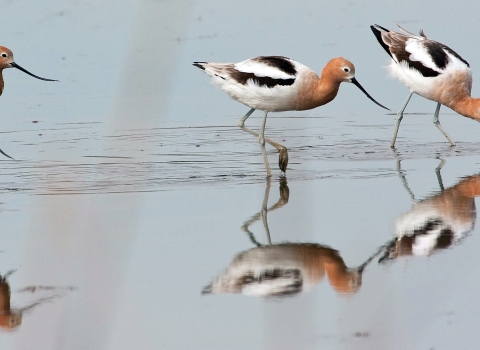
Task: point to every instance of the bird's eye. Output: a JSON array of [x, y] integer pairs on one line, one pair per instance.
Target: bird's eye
[[346, 69], [4, 55]]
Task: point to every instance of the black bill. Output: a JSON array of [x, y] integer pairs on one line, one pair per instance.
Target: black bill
[[13, 64], [6, 155], [357, 84]]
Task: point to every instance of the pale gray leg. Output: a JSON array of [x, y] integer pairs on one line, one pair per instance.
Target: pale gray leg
[[282, 150], [261, 141], [245, 117], [399, 119], [437, 124]]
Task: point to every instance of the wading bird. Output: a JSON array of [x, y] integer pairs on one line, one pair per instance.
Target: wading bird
[[276, 84], [431, 70], [7, 61]]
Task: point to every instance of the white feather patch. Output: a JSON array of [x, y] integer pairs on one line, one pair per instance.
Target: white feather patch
[[419, 53], [261, 69], [455, 63]]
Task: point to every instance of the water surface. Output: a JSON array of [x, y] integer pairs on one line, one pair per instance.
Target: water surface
[[133, 191]]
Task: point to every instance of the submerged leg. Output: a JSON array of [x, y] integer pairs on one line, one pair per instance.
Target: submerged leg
[[437, 124], [241, 121], [282, 150], [399, 119]]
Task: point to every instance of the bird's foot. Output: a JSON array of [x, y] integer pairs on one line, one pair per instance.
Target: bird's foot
[[283, 159]]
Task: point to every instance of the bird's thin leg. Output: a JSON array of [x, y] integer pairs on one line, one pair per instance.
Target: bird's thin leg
[[241, 121], [437, 124], [282, 150], [399, 119], [261, 141]]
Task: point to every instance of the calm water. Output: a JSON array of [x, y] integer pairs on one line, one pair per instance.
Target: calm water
[[137, 215]]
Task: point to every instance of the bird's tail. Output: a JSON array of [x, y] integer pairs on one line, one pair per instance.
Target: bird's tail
[[378, 35], [200, 65]]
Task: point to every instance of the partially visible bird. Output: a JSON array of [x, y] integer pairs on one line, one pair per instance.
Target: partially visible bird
[[276, 84], [7, 61], [431, 70]]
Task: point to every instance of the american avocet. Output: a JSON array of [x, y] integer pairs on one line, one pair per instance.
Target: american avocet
[[431, 70], [276, 84], [7, 61]]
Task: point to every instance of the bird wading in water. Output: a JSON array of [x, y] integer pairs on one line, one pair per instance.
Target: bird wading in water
[[276, 84]]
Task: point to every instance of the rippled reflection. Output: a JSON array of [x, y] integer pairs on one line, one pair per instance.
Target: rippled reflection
[[437, 222], [11, 318], [279, 270]]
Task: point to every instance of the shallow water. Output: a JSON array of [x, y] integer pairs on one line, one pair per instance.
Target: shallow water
[[136, 214]]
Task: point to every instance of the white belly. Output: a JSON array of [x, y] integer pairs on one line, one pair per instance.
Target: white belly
[[276, 99]]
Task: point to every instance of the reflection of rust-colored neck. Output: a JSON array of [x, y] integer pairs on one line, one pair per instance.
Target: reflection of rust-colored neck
[[469, 187], [4, 297], [8, 320], [339, 276]]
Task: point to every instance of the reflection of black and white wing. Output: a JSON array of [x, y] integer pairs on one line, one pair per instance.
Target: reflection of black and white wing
[[426, 229], [430, 58]]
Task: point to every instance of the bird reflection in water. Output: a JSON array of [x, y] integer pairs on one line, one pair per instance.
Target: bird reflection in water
[[11, 319], [285, 269], [437, 222]]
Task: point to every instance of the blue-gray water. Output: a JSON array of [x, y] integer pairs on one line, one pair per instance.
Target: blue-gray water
[[132, 182]]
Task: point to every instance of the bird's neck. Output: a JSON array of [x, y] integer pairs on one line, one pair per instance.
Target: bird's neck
[[1, 81], [467, 106], [317, 91], [327, 87]]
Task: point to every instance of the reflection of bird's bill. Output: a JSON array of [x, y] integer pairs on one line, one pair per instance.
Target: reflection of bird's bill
[[357, 84], [13, 64]]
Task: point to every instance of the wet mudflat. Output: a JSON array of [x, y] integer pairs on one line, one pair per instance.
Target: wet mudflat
[[155, 236], [136, 214]]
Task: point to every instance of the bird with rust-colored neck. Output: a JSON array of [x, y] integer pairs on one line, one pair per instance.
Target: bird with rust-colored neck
[[431, 70], [276, 84], [7, 61]]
